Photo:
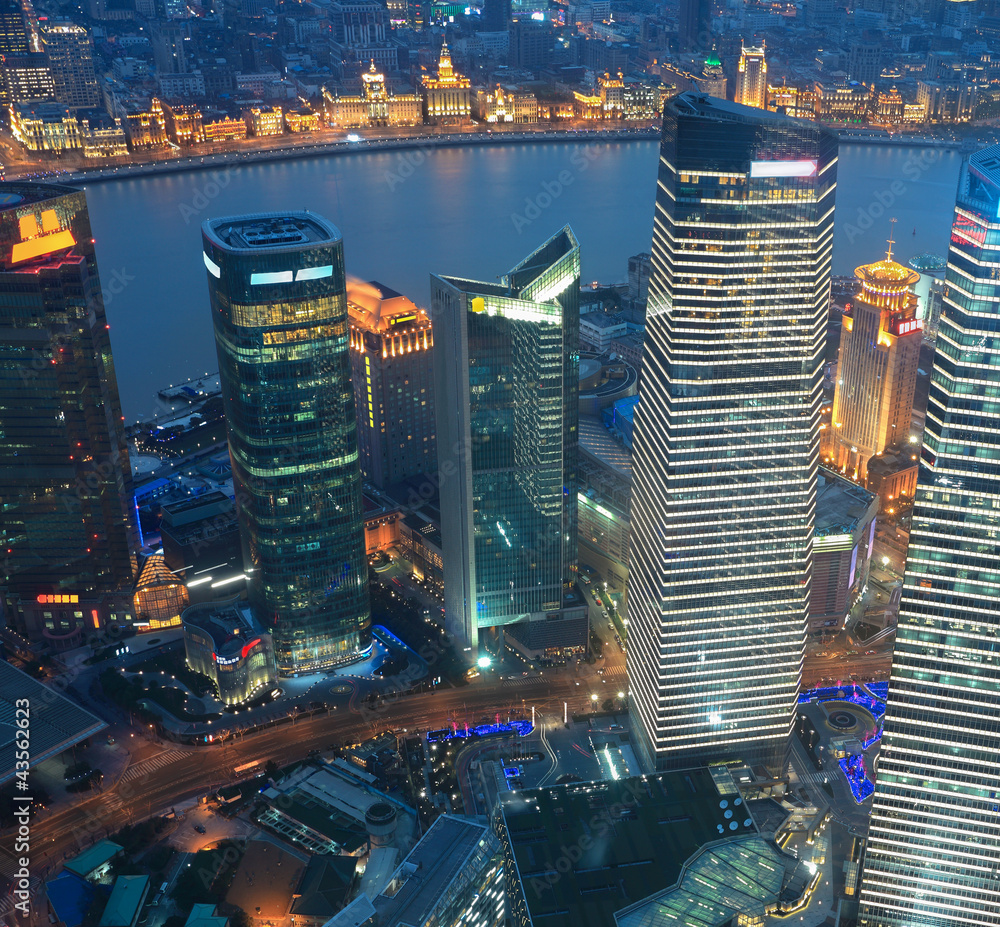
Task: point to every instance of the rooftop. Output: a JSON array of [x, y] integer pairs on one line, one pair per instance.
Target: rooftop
[[273, 231], [840, 504], [22, 194], [265, 880], [203, 915], [377, 308], [595, 440], [226, 623], [56, 722], [443, 854], [126, 898], [601, 320], [325, 886], [633, 837]]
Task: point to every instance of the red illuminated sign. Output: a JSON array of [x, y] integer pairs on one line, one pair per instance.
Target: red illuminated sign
[[57, 599], [248, 647]]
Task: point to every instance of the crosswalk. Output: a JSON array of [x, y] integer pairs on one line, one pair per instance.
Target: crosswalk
[[518, 682], [149, 766]]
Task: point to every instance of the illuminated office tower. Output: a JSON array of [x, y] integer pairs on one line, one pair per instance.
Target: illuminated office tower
[[15, 33], [726, 438], [393, 377], [751, 78], [506, 386], [279, 306], [933, 854], [67, 524], [71, 60], [877, 370]]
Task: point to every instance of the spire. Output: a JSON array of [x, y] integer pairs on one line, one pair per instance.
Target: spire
[[892, 241]]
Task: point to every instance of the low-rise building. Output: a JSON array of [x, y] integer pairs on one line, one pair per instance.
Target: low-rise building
[[893, 476], [45, 127], [127, 897], [598, 329], [160, 596], [222, 642], [225, 129], [183, 122], [377, 105], [303, 122], [504, 105], [265, 121]]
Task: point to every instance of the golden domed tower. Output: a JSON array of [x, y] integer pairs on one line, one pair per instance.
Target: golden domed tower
[[877, 371], [447, 97]]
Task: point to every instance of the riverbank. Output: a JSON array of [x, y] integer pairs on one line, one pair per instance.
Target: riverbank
[[326, 149], [430, 141]]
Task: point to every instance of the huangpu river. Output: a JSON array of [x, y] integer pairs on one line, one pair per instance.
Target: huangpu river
[[469, 212]]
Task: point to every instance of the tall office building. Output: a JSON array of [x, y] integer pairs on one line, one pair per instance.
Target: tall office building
[[15, 34], [71, 61], [277, 288], [695, 24], [506, 383], [393, 377], [496, 15], [726, 438], [877, 372], [933, 854], [68, 524], [751, 78]]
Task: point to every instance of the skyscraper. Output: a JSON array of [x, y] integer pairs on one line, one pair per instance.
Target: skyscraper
[[726, 438], [751, 78], [68, 524], [695, 24], [933, 854], [14, 32], [71, 60], [506, 381], [877, 371], [279, 306], [393, 377]]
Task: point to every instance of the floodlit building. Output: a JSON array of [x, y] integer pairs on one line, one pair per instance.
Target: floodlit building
[[877, 371], [160, 596], [262, 122], [931, 853], [68, 524], [45, 127], [182, 122], [502, 105], [225, 129], [223, 642], [726, 437], [751, 78], [378, 105], [393, 377], [506, 379], [447, 97], [278, 295]]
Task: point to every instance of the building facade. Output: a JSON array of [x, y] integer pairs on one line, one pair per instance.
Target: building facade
[[506, 380], [222, 642], [751, 78], [502, 105], [726, 437], [71, 61], [378, 105], [393, 377], [68, 524], [277, 288], [932, 857], [447, 97], [877, 372]]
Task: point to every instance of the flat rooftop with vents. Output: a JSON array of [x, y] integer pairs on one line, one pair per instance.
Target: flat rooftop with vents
[[274, 230], [584, 851]]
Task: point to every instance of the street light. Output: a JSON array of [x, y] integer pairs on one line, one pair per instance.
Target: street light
[[483, 662], [593, 697]]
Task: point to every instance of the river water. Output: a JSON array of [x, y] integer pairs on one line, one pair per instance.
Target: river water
[[469, 212]]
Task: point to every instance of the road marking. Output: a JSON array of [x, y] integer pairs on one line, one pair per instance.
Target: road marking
[[148, 766]]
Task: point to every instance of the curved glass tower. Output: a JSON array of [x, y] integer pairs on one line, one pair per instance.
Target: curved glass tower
[[933, 854], [726, 440], [279, 308]]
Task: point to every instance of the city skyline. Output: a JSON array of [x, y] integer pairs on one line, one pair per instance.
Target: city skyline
[[727, 433]]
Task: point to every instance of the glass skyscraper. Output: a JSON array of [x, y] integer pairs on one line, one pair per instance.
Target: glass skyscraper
[[68, 524], [933, 853], [506, 358], [279, 307], [726, 439]]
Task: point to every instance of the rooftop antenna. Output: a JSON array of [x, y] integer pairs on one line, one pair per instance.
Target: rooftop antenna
[[892, 241]]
